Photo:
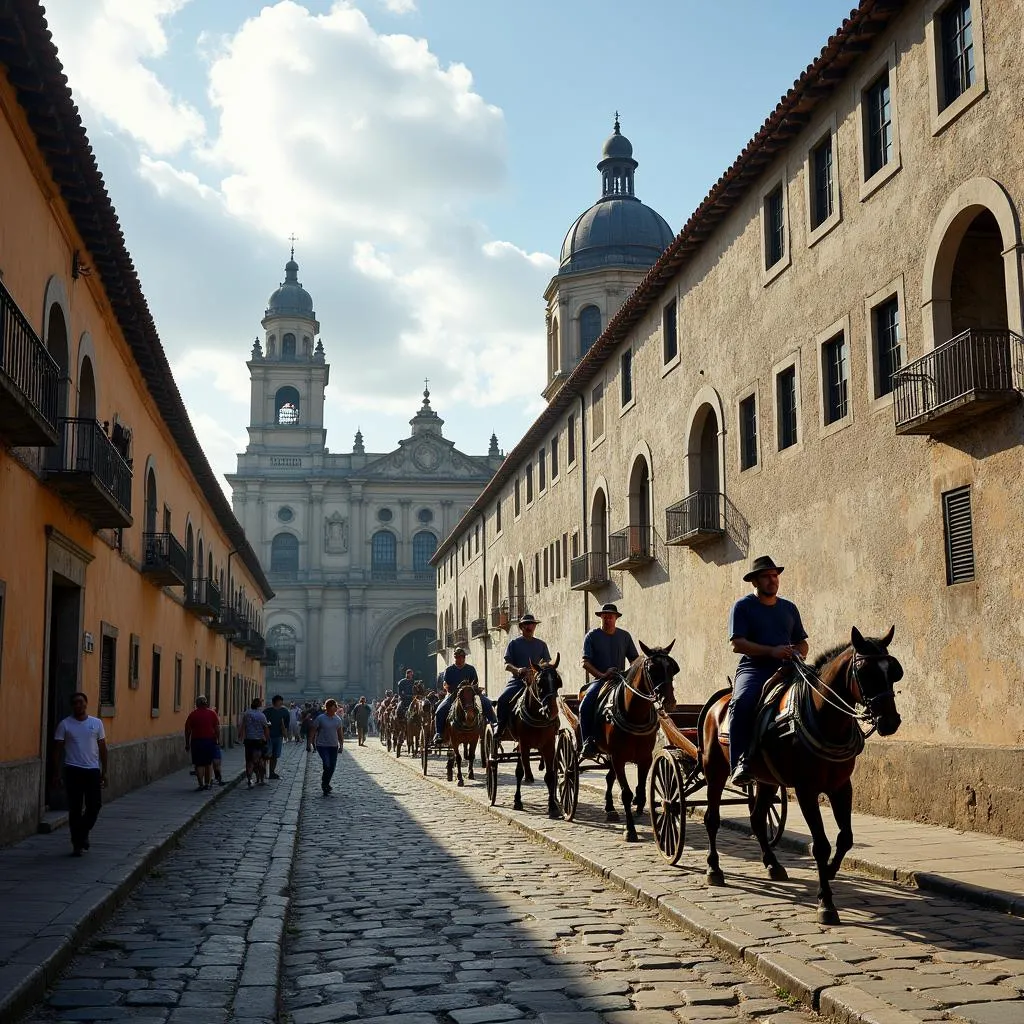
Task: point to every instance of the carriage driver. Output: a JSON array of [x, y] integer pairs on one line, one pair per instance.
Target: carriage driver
[[521, 652], [453, 677], [405, 688], [766, 630], [607, 650]]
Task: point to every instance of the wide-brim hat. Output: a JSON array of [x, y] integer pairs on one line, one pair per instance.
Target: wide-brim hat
[[458, 651], [528, 620], [763, 563], [609, 609]]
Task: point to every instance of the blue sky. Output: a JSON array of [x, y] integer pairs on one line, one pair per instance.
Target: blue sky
[[429, 154]]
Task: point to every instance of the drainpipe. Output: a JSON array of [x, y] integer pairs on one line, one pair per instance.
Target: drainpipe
[[583, 506], [229, 687]]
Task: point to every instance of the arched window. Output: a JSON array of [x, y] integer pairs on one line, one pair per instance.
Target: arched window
[[288, 348], [151, 501], [640, 493], [590, 327], [424, 544], [284, 554], [282, 640], [464, 617], [599, 525], [383, 556], [286, 407], [190, 552], [520, 607], [481, 603], [86, 391], [57, 346], [201, 562]]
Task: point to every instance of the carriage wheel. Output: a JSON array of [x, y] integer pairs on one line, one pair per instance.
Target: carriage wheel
[[667, 802], [424, 748], [567, 771], [490, 756], [776, 813]]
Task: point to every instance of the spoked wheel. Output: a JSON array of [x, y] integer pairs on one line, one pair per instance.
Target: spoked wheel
[[490, 753], [667, 801], [776, 813], [567, 770], [425, 738]]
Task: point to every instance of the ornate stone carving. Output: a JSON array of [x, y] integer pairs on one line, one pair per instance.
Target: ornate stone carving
[[335, 534]]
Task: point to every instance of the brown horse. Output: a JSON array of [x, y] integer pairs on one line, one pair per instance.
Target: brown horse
[[412, 726], [815, 756], [463, 726], [534, 724], [632, 730]]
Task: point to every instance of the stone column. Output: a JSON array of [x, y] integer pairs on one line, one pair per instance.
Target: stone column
[[314, 643], [316, 537], [405, 546], [356, 638], [357, 537]]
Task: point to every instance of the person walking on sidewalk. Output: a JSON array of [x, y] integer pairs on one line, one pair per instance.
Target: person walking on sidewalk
[[361, 714], [254, 732], [326, 735], [294, 715], [278, 716], [80, 748], [202, 727]]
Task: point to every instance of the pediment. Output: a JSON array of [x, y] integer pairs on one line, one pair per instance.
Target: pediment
[[426, 457]]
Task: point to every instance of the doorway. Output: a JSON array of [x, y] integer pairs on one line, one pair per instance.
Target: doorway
[[411, 652], [62, 678]]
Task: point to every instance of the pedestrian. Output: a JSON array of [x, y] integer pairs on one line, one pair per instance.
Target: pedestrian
[[80, 748], [293, 722], [308, 717], [361, 713], [202, 728], [326, 735], [254, 732], [279, 717]]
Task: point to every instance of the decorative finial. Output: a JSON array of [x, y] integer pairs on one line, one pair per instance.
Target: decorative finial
[[293, 238], [426, 392], [494, 451], [357, 447], [257, 348], [616, 122]]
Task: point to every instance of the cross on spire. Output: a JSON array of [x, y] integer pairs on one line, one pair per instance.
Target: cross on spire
[[293, 239], [616, 122]]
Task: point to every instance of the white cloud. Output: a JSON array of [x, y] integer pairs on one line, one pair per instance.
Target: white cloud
[[400, 6]]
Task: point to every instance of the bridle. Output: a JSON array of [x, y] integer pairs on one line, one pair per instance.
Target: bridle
[[653, 694], [869, 716]]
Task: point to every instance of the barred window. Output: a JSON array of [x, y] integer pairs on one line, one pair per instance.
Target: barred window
[[669, 332], [785, 390], [108, 669], [822, 193]]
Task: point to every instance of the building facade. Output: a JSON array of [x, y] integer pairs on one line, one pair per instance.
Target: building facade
[[824, 366], [346, 539], [123, 572]]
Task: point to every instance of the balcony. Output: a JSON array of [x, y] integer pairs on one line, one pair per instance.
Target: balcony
[[964, 378], [163, 560], [202, 597], [384, 573], [517, 606], [226, 622], [630, 548], [696, 520], [461, 636], [500, 618], [243, 633], [478, 628], [435, 647], [449, 639], [255, 644], [90, 474], [29, 381], [589, 571], [268, 657]]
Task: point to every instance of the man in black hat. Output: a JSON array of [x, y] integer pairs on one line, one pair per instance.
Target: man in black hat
[[453, 677], [607, 650], [766, 630], [522, 652]]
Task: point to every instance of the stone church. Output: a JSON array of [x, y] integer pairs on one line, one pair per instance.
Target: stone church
[[346, 539]]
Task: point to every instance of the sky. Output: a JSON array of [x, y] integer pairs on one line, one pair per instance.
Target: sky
[[428, 156]]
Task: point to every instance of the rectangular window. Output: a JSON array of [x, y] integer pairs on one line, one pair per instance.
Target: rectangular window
[[748, 432], [785, 402], [774, 228], [529, 482], [198, 680], [570, 439], [208, 691], [565, 554], [835, 378], [134, 661], [546, 567], [177, 682], [878, 124], [959, 531], [216, 687], [597, 411], [154, 690], [167, 519], [888, 357], [822, 193], [575, 545], [515, 498], [476, 539], [536, 573], [108, 666], [556, 568], [669, 333], [626, 377], [497, 516], [958, 73], [554, 457], [542, 468]]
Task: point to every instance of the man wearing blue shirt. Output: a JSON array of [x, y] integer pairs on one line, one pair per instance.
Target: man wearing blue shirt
[[453, 677], [607, 650], [766, 630], [522, 652]]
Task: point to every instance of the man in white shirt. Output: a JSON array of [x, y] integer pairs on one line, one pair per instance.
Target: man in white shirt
[[80, 748]]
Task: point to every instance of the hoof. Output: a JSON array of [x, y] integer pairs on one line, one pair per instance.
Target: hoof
[[517, 805], [639, 812], [461, 783], [632, 837], [554, 814], [777, 873], [828, 915], [715, 878], [611, 815], [528, 780]]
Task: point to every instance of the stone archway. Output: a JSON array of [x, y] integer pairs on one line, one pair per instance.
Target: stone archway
[[411, 652], [382, 652]]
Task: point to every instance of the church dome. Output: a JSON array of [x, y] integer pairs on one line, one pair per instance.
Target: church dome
[[618, 230], [291, 299]]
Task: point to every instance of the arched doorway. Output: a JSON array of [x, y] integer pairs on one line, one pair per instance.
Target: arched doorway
[[977, 292], [704, 499], [599, 524], [411, 652]]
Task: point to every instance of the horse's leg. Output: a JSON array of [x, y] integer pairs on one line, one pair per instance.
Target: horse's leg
[[517, 804], [471, 756], [640, 797], [550, 778], [716, 771], [842, 808], [610, 814], [527, 770], [759, 825], [458, 765], [627, 799], [451, 759], [821, 848]]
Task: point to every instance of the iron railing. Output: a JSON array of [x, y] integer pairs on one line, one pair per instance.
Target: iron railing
[[979, 368], [517, 606], [698, 518], [499, 616], [589, 571], [386, 573], [435, 647], [203, 597], [461, 636], [449, 639], [629, 547], [478, 627], [164, 559], [268, 657]]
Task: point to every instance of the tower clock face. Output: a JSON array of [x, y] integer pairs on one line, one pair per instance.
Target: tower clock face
[[426, 457]]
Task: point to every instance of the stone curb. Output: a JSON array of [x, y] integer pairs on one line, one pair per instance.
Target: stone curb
[[813, 987], [31, 988]]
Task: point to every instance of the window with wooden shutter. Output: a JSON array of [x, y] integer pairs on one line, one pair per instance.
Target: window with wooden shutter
[[108, 668], [133, 661], [959, 529]]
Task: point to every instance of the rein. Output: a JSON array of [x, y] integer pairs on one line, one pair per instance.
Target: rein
[[618, 707], [543, 721]]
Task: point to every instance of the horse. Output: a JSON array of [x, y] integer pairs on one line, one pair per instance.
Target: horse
[[816, 757], [463, 726], [534, 724], [420, 716], [629, 736]]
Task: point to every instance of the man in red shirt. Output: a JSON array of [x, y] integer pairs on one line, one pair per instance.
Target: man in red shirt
[[202, 728]]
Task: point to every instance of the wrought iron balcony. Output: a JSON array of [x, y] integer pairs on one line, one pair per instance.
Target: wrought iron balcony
[[164, 561], [255, 643], [88, 471], [449, 639], [461, 636], [243, 630], [435, 647], [696, 520], [30, 384], [225, 622], [478, 627], [499, 617], [589, 571], [630, 548], [964, 378], [202, 597], [268, 657], [517, 606]]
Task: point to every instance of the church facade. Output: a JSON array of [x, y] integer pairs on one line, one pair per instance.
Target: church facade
[[346, 538]]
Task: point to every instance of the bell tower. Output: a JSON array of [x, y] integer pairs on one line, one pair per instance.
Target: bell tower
[[288, 373]]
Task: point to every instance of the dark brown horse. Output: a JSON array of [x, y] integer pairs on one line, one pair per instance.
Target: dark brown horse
[[815, 756], [463, 726], [410, 729], [630, 735], [534, 723]]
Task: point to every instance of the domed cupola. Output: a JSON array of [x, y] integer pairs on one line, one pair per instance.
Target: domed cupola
[[618, 230], [291, 299]]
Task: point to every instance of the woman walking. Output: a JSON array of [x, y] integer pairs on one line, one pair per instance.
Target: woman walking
[[326, 734]]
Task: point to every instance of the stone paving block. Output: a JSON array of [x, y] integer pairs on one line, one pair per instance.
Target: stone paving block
[[964, 994], [642, 1017], [849, 1004], [494, 1013], [798, 979], [327, 1013], [697, 996], [991, 1013]]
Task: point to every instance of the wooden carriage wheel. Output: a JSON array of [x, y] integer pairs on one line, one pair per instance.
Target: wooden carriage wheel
[[490, 761], [667, 800], [567, 770], [425, 738], [776, 813]]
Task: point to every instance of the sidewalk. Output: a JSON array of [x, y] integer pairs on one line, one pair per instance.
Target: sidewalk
[[52, 901]]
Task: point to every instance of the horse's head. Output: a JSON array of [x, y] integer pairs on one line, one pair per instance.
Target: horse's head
[[661, 668], [546, 683], [873, 673], [466, 698]]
